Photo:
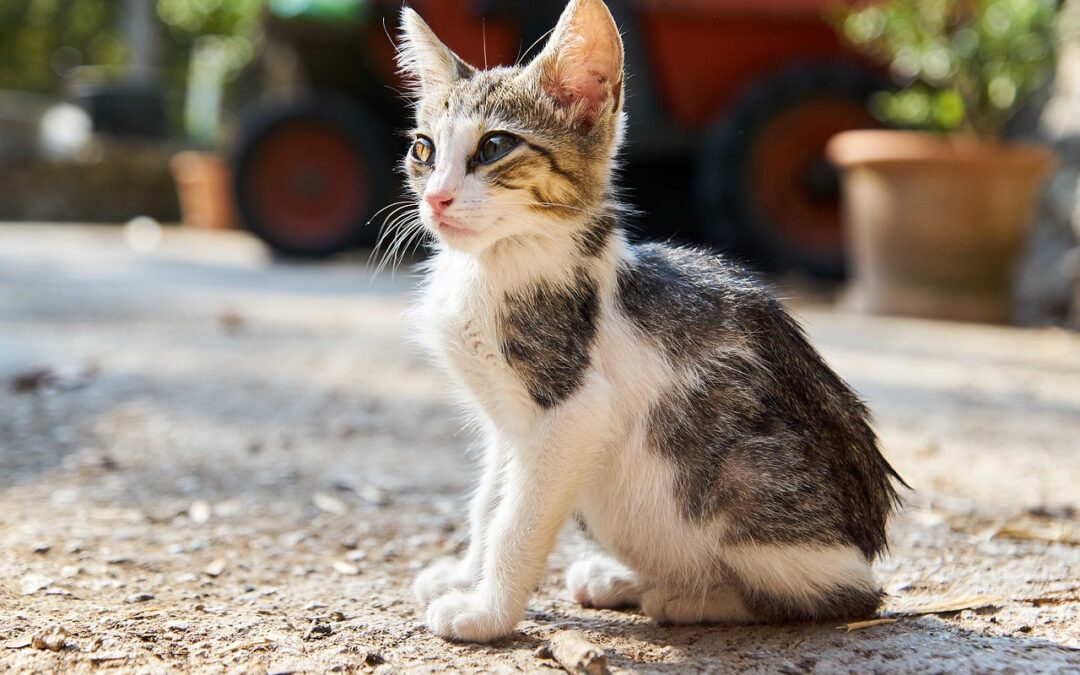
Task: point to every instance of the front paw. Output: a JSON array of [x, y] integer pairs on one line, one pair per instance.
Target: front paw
[[466, 617], [441, 577]]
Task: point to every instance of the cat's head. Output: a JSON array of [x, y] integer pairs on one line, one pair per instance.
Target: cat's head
[[515, 153]]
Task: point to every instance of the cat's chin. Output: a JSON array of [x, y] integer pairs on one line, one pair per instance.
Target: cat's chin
[[457, 237], [448, 230]]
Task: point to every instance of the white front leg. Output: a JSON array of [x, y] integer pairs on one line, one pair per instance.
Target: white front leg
[[543, 477], [447, 574]]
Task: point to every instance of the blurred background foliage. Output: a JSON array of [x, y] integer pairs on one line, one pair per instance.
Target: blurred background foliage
[[43, 43], [965, 65], [231, 26], [42, 40]]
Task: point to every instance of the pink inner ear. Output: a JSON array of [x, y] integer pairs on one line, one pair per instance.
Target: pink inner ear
[[581, 67], [582, 82]]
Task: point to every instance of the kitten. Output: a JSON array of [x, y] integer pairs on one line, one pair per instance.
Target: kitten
[[658, 394]]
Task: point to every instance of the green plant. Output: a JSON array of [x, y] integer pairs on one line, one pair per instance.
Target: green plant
[[42, 42], [964, 65], [232, 26], [218, 38]]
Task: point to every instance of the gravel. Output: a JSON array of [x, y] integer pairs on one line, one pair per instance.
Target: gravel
[[213, 462]]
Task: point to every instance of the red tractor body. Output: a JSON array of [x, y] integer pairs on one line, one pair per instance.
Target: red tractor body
[[746, 92]]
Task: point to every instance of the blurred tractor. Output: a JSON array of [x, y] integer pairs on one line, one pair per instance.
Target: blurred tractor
[[744, 93]]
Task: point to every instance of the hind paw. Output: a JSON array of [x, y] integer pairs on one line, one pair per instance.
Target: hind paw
[[603, 583]]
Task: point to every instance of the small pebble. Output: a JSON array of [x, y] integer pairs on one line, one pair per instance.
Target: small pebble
[[346, 568], [139, 597], [199, 512], [232, 322], [373, 495], [292, 539], [53, 640], [215, 568], [32, 583], [329, 504]]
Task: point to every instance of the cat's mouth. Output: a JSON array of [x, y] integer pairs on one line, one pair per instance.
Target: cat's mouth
[[445, 227]]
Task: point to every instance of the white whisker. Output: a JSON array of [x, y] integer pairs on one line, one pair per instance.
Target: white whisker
[[400, 224]]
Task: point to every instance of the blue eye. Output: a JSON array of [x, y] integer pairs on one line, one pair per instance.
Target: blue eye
[[495, 146]]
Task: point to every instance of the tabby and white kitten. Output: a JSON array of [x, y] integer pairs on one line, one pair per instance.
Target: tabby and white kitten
[[657, 394]]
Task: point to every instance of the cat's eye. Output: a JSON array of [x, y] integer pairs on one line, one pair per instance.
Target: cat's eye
[[423, 150], [495, 146]]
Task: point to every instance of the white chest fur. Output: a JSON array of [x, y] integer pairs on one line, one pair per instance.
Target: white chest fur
[[459, 314]]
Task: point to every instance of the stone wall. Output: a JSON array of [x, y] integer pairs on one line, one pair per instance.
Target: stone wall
[[113, 181]]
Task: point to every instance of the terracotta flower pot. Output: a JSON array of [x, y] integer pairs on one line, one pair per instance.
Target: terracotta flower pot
[[935, 224], [203, 185]]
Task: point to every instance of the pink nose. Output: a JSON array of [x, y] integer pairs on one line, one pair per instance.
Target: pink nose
[[438, 201]]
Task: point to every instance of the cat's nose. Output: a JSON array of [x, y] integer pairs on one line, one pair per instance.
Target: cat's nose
[[439, 201]]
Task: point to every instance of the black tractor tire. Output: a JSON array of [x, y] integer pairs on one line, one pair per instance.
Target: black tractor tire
[[308, 175], [736, 194]]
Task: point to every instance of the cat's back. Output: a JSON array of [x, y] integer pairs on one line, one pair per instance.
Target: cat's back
[[752, 410], [688, 300]]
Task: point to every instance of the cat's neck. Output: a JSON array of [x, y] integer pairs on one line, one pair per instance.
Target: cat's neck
[[519, 262]]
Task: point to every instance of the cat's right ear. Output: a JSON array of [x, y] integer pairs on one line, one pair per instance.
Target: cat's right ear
[[424, 60]]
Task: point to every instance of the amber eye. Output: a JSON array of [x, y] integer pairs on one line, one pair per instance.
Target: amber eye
[[423, 150], [495, 146]]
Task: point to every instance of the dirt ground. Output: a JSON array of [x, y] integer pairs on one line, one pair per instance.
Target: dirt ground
[[210, 463]]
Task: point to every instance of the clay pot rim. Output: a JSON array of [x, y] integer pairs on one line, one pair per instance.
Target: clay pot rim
[[877, 146]]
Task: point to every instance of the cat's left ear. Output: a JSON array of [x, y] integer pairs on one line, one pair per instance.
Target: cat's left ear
[[423, 58], [581, 66]]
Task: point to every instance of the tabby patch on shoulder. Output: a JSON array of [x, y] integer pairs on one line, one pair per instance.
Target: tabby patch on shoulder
[[657, 394]]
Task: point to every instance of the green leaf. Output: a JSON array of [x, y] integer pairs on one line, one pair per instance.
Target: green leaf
[[948, 110]]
